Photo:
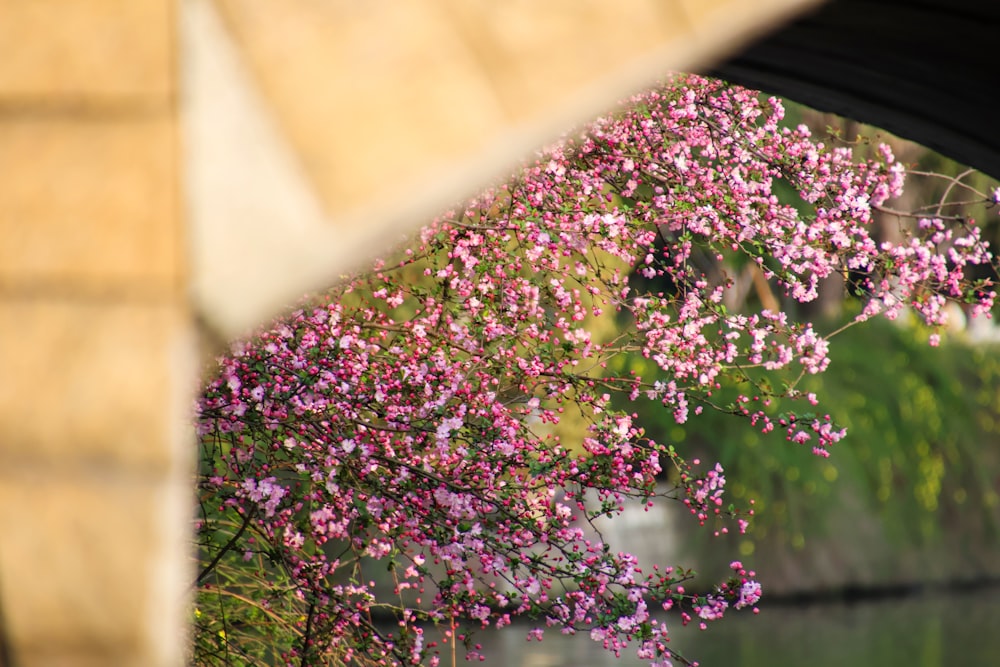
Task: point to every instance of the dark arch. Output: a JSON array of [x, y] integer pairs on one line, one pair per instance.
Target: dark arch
[[926, 70]]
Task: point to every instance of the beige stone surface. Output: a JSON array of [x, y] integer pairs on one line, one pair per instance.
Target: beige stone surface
[[388, 97], [381, 99], [95, 480], [534, 54], [90, 51], [94, 386], [370, 95], [97, 343], [245, 189], [89, 203], [84, 562]]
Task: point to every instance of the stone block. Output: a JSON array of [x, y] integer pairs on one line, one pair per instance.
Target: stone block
[[87, 51], [95, 387], [387, 104], [90, 574], [89, 204], [539, 55], [372, 97]]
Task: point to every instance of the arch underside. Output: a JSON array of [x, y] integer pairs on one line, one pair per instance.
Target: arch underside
[[921, 69]]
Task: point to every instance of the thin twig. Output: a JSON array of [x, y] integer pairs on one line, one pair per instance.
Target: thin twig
[[229, 545]]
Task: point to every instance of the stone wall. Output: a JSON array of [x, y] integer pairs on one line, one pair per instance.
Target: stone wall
[[96, 341]]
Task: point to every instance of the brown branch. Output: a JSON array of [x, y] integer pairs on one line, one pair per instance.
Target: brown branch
[[229, 545]]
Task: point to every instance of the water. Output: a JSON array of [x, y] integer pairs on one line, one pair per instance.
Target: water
[[939, 630]]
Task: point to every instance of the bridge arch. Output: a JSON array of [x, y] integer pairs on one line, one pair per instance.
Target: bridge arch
[[920, 69]]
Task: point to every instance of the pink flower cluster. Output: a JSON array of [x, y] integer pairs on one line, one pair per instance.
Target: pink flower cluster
[[411, 418]]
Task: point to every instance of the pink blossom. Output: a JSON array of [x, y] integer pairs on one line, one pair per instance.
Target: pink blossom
[[750, 593]]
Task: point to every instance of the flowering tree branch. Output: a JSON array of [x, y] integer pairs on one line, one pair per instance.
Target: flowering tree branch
[[416, 415]]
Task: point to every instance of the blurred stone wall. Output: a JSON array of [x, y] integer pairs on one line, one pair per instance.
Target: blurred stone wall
[[138, 221], [96, 341]]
